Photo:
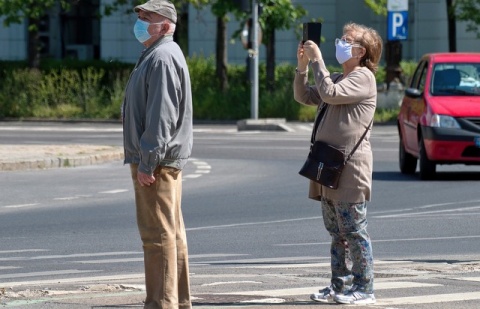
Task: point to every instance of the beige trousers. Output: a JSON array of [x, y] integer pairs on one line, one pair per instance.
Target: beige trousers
[[161, 227]]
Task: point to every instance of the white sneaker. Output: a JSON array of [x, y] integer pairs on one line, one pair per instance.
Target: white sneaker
[[355, 297], [324, 296]]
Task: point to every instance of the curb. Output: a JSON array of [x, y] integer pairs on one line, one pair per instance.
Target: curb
[[35, 163], [264, 124]]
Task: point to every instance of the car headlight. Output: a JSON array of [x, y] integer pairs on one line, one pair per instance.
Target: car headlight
[[441, 121]]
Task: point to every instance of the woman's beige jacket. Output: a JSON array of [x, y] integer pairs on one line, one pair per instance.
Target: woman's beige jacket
[[351, 103]]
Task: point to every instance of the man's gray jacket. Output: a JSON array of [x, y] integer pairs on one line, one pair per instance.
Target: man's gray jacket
[[157, 109]]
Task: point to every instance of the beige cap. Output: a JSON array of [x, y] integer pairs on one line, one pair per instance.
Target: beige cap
[[161, 7]]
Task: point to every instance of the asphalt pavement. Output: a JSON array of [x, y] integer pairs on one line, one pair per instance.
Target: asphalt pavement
[[109, 293], [129, 292]]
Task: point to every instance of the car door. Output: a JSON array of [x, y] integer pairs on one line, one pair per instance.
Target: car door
[[414, 107]]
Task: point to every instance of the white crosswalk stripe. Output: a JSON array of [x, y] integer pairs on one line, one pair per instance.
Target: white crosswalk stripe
[[308, 290]]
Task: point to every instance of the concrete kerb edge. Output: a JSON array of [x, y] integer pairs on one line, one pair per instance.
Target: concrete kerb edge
[[58, 162], [265, 124]]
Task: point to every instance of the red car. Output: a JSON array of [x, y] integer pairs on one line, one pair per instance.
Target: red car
[[439, 118]]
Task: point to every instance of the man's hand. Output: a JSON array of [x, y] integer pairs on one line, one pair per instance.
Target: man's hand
[[145, 179]]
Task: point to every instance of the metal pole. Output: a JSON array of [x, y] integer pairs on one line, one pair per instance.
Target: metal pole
[[254, 85]]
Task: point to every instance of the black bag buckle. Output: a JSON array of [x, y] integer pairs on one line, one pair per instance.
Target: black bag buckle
[[319, 171]]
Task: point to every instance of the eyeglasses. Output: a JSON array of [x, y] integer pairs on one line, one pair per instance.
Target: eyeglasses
[[347, 41]]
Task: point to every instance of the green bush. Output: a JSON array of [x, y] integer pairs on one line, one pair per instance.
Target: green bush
[[17, 92], [63, 90], [76, 89]]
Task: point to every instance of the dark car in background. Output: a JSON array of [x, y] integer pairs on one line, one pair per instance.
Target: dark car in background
[[439, 118]]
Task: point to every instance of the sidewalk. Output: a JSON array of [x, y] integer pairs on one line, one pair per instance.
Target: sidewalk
[[400, 284]]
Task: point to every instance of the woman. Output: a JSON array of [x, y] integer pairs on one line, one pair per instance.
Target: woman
[[350, 99]]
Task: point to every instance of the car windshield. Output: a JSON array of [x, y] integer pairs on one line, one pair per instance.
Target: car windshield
[[456, 79]]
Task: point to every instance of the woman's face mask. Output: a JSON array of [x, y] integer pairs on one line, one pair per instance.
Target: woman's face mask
[[343, 50], [140, 29]]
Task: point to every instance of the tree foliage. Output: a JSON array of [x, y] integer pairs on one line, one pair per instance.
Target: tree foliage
[[277, 15], [469, 11], [16, 11], [379, 7]]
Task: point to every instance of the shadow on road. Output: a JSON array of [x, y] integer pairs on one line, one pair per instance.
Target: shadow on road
[[439, 176]]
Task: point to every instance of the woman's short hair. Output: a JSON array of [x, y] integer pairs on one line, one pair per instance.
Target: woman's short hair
[[370, 40]]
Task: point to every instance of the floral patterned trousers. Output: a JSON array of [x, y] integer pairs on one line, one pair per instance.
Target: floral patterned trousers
[[351, 248]]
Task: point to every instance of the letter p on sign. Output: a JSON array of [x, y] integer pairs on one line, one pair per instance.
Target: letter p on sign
[[397, 25], [397, 19]]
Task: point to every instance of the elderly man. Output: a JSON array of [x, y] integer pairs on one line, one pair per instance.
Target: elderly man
[[157, 128]]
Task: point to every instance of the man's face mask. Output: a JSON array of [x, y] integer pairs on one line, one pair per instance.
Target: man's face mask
[[140, 29]]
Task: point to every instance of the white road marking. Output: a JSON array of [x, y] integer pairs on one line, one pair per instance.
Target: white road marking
[[66, 198], [474, 279], [8, 267], [47, 273], [248, 262], [387, 240], [201, 168], [69, 198], [64, 129], [21, 205], [140, 259], [264, 301], [23, 250], [309, 290], [212, 255], [231, 282], [451, 203], [249, 223], [214, 130], [416, 214], [113, 191], [204, 167], [202, 172], [429, 299], [66, 256], [76, 280], [105, 261], [192, 176], [200, 163]]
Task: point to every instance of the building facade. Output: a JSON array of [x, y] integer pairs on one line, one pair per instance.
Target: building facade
[[81, 34]]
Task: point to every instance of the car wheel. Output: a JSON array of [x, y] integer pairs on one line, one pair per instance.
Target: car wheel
[[427, 167], [408, 163]]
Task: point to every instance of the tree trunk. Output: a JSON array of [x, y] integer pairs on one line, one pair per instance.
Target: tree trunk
[[452, 26], [271, 60], [34, 44], [221, 53]]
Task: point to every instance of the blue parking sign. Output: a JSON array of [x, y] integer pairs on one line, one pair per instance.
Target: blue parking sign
[[397, 25]]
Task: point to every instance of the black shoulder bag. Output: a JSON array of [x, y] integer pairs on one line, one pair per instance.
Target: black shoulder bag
[[325, 162]]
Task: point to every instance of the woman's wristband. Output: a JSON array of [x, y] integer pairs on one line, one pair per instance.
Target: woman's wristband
[[301, 72]]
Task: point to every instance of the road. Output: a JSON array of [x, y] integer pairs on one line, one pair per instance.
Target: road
[[252, 232]]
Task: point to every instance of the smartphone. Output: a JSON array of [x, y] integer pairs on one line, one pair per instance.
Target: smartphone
[[312, 31]]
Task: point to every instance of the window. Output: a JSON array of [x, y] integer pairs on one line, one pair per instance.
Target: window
[[456, 79]]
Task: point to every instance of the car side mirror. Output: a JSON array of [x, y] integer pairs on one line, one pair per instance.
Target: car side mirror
[[413, 93]]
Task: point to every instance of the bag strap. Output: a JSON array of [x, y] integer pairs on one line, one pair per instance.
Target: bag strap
[[320, 115], [358, 143]]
